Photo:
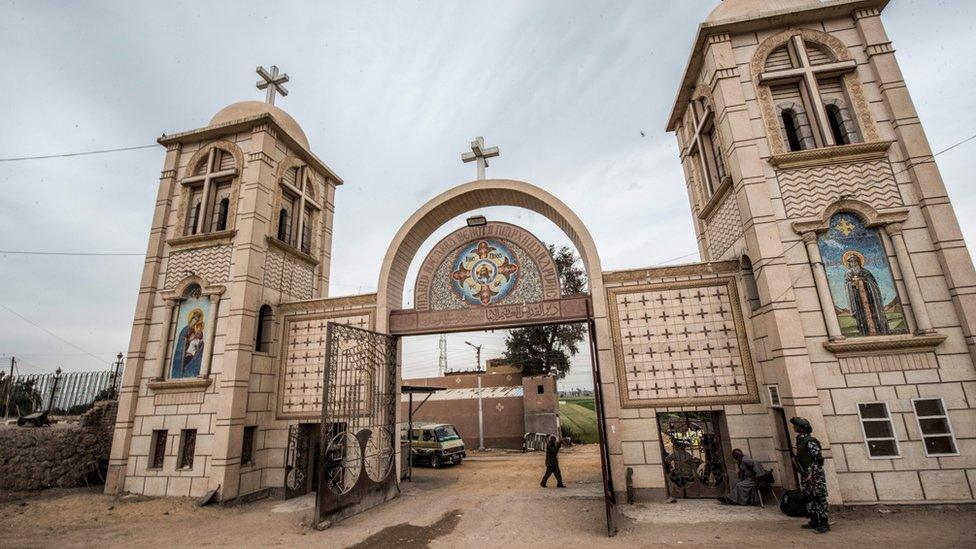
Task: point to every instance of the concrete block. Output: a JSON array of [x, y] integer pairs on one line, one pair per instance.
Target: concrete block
[[846, 400], [946, 485], [898, 486], [856, 487], [633, 453]]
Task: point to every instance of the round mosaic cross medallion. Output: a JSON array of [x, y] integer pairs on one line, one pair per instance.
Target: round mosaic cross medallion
[[485, 272]]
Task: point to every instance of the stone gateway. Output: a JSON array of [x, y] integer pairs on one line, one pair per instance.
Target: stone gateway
[[834, 285]]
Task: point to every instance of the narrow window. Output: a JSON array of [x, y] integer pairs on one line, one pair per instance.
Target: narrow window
[[283, 225], [749, 277], [836, 121], [158, 449], [541, 389], [879, 433], [222, 209], [188, 445], [792, 130], [933, 423], [262, 341], [247, 446]]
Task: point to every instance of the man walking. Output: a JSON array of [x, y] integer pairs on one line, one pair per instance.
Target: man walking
[[552, 462], [810, 461]]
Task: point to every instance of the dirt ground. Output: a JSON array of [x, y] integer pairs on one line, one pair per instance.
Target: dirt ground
[[491, 500]]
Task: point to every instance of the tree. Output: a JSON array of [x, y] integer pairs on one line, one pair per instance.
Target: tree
[[543, 350]]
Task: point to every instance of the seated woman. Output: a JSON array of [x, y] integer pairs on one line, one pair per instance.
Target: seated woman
[[744, 491]]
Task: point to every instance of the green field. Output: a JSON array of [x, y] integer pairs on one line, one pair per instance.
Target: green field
[[579, 415]]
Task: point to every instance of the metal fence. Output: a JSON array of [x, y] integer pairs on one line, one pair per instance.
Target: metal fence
[[73, 393]]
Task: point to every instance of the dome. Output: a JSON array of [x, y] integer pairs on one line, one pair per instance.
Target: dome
[[740, 10], [246, 109]]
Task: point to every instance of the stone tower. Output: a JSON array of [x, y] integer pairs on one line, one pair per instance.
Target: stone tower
[[805, 160], [243, 223]]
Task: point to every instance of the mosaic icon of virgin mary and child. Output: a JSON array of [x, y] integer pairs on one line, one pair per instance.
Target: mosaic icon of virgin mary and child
[[485, 272], [189, 346]]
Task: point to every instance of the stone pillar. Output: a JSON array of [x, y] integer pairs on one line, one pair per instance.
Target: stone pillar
[[208, 336], [168, 312], [132, 375], [823, 286], [923, 325]]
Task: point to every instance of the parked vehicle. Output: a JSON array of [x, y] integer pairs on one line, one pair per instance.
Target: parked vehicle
[[435, 444]]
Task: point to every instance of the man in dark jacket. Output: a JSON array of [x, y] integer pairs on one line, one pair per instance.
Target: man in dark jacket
[[552, 462]]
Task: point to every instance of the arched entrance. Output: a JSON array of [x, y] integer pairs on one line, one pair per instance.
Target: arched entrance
[[503, 244]]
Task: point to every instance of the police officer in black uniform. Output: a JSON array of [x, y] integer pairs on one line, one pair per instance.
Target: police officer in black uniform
[[809, 461]]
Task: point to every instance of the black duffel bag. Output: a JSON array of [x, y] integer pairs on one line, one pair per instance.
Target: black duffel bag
[[794, 504]]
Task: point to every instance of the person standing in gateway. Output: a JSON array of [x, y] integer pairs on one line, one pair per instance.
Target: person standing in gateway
[[810, 461], [552, 462]]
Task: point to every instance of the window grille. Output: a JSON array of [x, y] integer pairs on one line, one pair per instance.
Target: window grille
[[933, 423], [247, 446], [188, 444], [879, 432], [158, 449]]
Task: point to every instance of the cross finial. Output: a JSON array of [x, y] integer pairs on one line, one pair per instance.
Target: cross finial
[[273, 82], [480, 154]]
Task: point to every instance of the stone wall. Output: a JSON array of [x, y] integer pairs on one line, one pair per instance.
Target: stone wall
[[64, 455]]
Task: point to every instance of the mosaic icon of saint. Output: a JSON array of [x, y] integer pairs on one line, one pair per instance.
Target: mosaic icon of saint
[[189, 346], [864, 296]]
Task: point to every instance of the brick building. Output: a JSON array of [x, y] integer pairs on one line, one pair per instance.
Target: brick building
[[511, 405]]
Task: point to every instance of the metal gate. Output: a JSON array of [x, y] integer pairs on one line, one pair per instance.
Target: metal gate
[[359, 435], [694, 458]]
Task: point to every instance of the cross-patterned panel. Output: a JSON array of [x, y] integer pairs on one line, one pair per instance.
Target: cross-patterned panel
[[681, 343], [303, 362]]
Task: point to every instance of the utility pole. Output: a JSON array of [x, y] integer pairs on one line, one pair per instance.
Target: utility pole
[[115, 376], [481, 412], [10, 387], [442, 360]]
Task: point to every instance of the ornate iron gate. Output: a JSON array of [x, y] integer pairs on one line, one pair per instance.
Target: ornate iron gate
[[359, 435], [296, 463], [694, 458]]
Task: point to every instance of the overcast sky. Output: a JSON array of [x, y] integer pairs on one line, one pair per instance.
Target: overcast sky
[[389, 93]]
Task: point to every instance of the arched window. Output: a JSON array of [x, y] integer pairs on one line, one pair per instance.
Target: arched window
[[807, 73], [299, 208], [209, 192], [704, 147], [863, 290], [836, 120], [283, 229], [186, 334], [193, 221], [792, 128], [220, 223], [263, 337], [749, 278]]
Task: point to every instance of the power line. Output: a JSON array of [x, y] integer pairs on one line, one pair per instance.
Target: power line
[[32, 252], [85, 153], [50, 333]]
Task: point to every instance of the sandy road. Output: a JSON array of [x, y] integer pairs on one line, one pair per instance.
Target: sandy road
[[482, 503]]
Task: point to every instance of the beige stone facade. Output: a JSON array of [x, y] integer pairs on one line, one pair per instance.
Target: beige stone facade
[[793, 123]]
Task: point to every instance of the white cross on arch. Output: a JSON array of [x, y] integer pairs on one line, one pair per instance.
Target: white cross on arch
[[807, 73], [480, 154], [273, 82]]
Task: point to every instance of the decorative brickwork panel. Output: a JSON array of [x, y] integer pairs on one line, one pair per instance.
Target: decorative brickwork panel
[[888, 363], [300, 383], [807, 191], [724, 227], [211, 263], [681, 343], [288, 275]]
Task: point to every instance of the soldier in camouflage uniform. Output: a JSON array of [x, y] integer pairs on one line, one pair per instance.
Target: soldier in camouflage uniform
[[810, 461]]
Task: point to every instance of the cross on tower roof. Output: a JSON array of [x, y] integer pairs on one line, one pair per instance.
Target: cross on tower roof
[[274, 82], [480, 154]]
